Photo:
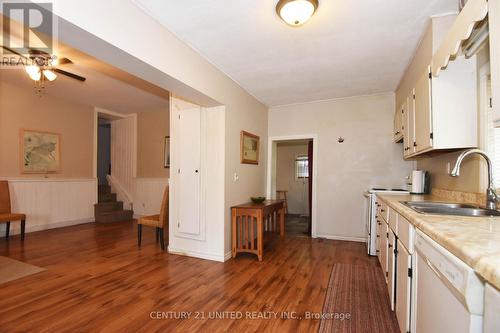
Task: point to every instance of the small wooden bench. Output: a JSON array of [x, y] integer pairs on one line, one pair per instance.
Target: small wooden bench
[[249, 223]]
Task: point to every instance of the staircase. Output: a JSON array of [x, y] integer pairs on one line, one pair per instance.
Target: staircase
[[108, 209]]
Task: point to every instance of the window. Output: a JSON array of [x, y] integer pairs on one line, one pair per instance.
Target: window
[[301, 167]]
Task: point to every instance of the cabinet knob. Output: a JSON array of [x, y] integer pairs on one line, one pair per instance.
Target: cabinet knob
[[390, 245], [382, 210]]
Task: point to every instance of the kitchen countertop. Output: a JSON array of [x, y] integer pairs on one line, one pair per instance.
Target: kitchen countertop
[[474, 240]]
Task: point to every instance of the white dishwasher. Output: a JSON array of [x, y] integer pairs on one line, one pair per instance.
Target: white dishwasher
[[449, 295]]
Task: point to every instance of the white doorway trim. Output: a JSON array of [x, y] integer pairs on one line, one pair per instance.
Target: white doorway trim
[[105, 114], [112, 115], [271, 171]]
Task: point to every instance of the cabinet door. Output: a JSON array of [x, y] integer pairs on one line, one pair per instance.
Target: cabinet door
[[423, 113], [379, 239], [403, 288], [409, 125], [383, 248], [491, 309], [406, 127], [398, 124], [188, 172], [391, 267]]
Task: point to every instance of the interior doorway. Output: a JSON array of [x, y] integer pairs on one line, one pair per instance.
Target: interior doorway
[[291, 176], [103, 150]]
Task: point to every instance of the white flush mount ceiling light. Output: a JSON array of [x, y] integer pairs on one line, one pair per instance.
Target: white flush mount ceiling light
[[296, 12]]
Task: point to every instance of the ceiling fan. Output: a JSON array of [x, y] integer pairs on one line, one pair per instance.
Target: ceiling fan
[[41, 66]]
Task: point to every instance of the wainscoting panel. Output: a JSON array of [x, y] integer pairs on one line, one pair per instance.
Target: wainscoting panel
[[148, 193], [52, 203]]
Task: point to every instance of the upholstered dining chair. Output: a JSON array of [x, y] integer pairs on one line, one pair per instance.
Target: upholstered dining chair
[[160, 222], [6, 216]]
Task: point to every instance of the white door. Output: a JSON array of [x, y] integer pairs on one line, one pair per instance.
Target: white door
[[188, 171], [423, 113], [403, 288]]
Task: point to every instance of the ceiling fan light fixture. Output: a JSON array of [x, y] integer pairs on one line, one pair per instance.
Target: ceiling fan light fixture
[[296, 12], [49, 75], [34, 72]]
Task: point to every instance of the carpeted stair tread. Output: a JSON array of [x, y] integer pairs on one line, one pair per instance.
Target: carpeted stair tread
[[114, 216]]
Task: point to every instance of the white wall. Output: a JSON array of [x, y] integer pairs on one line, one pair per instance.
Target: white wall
[[367, 158], [298, 189]]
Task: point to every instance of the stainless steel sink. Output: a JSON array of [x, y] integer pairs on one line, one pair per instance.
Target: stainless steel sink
[[444, 208]]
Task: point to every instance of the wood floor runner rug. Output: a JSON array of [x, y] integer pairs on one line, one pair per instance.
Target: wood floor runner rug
[[11, 269], [360, 293]]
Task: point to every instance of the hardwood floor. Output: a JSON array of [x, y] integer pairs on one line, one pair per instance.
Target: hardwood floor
[[98, 280]]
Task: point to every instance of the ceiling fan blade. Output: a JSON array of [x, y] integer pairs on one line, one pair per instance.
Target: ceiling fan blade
[[13, 52], [71, 75], [64, 61], [38, 53]]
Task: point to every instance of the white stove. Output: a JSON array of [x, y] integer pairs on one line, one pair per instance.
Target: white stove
[[371, 211]]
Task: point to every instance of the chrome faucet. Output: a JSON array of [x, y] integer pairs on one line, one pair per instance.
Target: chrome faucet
[[491, 196]]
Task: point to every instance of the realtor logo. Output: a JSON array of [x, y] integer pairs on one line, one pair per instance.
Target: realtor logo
[[27, 26]]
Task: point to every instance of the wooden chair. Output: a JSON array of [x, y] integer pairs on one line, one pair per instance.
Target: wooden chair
[[281, 194], [6, 216], [160, 222]]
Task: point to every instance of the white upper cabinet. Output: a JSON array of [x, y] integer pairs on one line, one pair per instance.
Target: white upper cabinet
[[398, 124], [446, 108], [439, 88], [423, 113], [494, 26], [409, 125]]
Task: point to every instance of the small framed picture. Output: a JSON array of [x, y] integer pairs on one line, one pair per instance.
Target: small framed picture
[[249, 148], [166, 153], [40, 151]]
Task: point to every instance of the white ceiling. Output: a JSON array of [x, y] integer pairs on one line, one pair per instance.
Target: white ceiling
[[99, 90], [348, 48]]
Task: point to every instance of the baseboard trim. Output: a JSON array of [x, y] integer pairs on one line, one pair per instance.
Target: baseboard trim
[[15, 227], [228, 255], [199, 255], [343, 238]]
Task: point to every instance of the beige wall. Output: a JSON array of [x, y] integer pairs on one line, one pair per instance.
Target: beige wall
[[152, 127], [367, 158], [298, 189], [186, 74], [21, 108]]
